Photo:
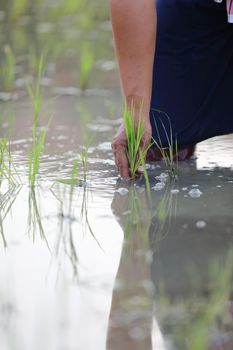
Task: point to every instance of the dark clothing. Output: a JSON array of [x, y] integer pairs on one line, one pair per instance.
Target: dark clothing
[[193, 71]]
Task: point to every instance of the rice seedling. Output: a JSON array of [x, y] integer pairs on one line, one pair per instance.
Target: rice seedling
[[85, 66], [34, 157], [8, 69], [134, 136], [73, 180], [38, 138], [35, 93], [79, 178], [168, 153]]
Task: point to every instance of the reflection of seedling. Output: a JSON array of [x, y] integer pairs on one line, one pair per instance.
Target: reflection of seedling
[[138, 216], [133, 210], [165, 213], [75, 180], [134, 135], [6, 202], [205, 312], [169, 151], [8, 69], [85, 66], [34, 217], [221, 284], [6, 167], [38, 141], [84, 158]]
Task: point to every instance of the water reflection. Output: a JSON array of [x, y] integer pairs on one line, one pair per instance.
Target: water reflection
[[157, 281], [190, 268], [8, 195]]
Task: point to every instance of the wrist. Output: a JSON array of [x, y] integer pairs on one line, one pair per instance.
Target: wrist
[[140, 105]]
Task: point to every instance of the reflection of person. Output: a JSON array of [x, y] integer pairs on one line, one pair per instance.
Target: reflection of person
[[192, 74]]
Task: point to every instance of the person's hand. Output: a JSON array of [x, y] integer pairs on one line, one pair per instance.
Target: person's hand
[[119, 147]]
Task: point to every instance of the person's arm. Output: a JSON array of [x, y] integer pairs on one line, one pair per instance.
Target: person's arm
[[134, 29]]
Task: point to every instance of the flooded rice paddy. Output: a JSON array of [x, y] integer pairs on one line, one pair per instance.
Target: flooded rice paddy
[[88, 261]]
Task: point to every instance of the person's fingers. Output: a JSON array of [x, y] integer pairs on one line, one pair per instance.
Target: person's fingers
[[121, 160]]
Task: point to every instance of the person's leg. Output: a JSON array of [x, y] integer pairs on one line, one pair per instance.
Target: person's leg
[[193, 73]]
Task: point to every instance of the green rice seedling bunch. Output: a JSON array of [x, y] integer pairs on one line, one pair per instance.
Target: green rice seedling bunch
[[35, 156], [8, 69], [35, 93], [85, 66], [134, 135], [38, 138]]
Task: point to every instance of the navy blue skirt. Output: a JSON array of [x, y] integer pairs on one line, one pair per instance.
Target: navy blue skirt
[[193, 72]]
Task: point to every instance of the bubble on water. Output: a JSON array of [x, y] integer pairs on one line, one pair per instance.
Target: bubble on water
[[159, 186], [123, 191], [219, 186], [195, 186], [148, 166], [175, 191], [163, 177], [184, 188], [195, 193], [200, 224]]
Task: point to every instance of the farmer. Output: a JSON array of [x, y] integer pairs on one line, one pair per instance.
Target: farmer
[[176, 58]]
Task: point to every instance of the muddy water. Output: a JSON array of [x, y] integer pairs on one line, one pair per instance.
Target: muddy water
[[102, 265]]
